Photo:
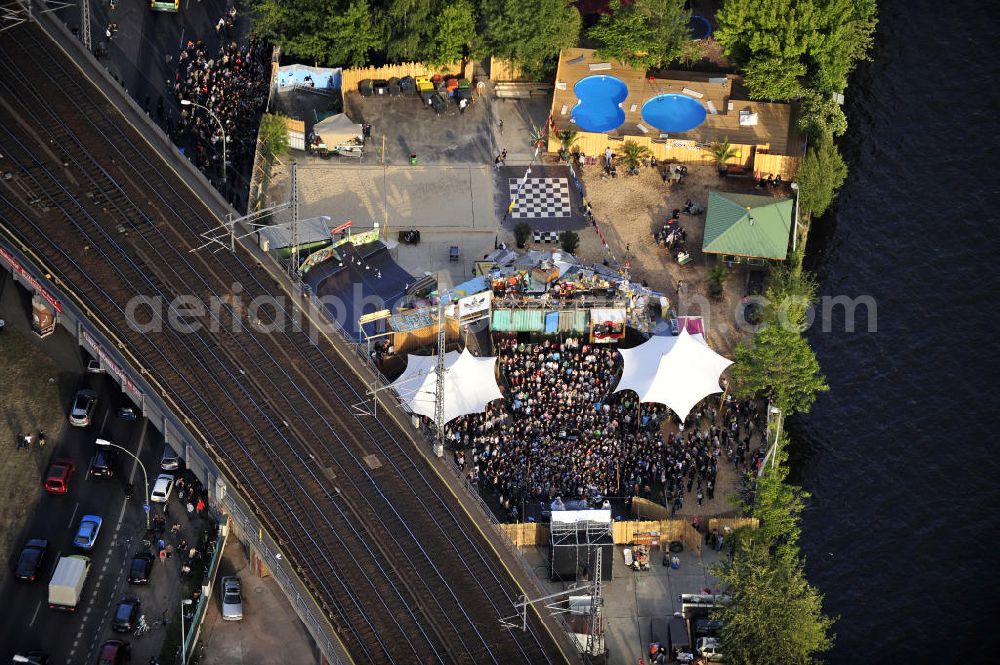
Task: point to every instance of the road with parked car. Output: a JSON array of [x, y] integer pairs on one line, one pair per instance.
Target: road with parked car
[[83, 572]]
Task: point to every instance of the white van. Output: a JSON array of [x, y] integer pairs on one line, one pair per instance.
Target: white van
[[710, 648]]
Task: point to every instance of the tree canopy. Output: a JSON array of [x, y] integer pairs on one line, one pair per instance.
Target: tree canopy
[[780, 365], [644, 33], [820, 115], [774, 616], [819, 177], [782, 43], [456, 30], [329, 32], [530, 32]]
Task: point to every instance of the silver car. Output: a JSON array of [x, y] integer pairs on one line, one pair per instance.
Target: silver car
[[170, 461], [84, 405], [232, 599]]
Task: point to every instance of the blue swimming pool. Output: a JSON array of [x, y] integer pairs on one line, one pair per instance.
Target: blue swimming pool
[[699, 27], [598, 110], [673, 112]]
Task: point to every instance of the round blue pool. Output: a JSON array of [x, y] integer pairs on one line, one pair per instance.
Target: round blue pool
[[673, 113], [699, 27], [598, 110]]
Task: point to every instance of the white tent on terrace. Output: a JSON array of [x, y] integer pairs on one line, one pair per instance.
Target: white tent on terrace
[[469, 384], [676, 371]]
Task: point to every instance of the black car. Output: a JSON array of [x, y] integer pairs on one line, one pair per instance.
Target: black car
[[707, 627], [102, 464], [126, 616], [140, 568], [30, 559]]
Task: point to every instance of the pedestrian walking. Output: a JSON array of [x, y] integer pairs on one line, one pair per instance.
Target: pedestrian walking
[[41, 438], [170, 551], [462, 103], [501, 126], [27, 440], [190, 509], [19, 440], [201, 508]]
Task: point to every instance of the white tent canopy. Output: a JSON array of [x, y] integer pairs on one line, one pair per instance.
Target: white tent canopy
[[337, 129], [469, 384], [676, 371]]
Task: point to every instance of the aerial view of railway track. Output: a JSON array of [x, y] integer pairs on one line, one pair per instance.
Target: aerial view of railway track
[[399, 567]]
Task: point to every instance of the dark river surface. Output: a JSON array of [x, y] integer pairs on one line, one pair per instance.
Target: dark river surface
[[900, 456]]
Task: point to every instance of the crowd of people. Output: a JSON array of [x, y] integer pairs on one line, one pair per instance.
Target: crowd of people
[[233, 84], [562, 433]]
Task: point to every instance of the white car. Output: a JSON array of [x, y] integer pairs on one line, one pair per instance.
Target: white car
[[709, 648], [162, 488], [232, 599]]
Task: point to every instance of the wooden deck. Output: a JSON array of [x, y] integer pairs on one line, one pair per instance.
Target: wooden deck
[[774, 132]]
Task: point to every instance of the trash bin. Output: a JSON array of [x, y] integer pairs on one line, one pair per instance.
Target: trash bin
[[413, 159]]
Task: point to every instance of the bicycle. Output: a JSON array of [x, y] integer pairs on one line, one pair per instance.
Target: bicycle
[[142, 628]]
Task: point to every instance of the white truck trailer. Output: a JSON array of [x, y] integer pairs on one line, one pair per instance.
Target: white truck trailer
[[67, 582]]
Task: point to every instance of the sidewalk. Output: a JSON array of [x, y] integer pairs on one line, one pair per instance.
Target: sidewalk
[[270, 632]]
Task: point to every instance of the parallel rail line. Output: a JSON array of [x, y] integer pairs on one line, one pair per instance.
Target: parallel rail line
[[399, 570]]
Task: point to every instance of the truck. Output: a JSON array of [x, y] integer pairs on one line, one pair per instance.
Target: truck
[[67, 582]]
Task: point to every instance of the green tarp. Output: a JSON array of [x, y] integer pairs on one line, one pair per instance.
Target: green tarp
[[748, 225]]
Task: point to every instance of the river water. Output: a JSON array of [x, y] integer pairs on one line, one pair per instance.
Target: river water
[[900, 533]]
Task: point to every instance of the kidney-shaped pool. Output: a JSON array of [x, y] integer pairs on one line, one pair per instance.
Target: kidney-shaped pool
[[598, 110]]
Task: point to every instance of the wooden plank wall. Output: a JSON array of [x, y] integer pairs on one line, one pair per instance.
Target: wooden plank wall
[[786, 165], [527, 534], [732, 522], [503, 70], [349, 78], [593, 145]]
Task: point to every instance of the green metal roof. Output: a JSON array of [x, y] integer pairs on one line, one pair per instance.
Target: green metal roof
[[748, 225], [518, 320]]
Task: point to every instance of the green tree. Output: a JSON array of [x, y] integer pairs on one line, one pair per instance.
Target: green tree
[[845, 37], [790, 292], [780, 366], [530, 32], [455, 30], [411, 28], [722, 151], [820, 115], [569, 241], [774, 616], [821, 174], [633, 155], [328, 32], [644, 33], [521, 234], [273, 136], [692, 51], [717, 277], [781, 42], [567, 138]]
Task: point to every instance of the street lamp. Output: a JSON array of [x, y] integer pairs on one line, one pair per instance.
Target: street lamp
[[185, 602], [104, 443], [795, 227], [225, 179]]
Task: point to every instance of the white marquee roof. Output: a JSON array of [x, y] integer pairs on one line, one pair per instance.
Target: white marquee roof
[[676, 371], [469, 384]]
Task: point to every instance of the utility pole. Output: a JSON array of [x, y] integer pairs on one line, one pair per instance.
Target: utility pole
[[293, 260], [595, 638], [85, 24], [440, 372]]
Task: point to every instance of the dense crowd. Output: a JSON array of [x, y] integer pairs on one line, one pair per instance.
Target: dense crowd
[[233, 84], [561, 432]]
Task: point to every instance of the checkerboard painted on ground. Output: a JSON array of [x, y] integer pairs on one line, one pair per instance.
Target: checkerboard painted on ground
[[541, 198]]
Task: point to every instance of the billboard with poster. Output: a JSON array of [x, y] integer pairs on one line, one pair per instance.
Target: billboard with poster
[[475, 304]]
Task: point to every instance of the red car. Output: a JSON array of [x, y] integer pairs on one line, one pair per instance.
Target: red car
[[57, 480], [114, 652]]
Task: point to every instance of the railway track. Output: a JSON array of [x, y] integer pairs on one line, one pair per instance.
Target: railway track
[[399, 569]]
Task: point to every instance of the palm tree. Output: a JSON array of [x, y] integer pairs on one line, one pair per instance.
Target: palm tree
[[722, 152], [567, 138], [633, 155], [537, 134]]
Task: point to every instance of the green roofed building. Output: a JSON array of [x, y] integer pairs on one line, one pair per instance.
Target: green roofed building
[[747, 227]]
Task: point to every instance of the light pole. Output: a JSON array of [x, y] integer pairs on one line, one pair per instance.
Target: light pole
[[104, 443], [795, 225], [184, 603], [225, 179]]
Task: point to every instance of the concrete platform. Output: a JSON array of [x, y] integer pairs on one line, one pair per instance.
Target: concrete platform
[[632, 598], [269, 634]]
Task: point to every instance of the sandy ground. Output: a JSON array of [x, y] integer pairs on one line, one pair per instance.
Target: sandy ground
[[29, 395]]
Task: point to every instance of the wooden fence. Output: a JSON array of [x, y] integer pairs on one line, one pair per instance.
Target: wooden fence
[[527, 534], [786, 165], [624, 532], [349, 78], [733, 523], [503, 70], [593, 145]]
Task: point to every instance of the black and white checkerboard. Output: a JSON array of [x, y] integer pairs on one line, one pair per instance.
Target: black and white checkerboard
[[541, 198]]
